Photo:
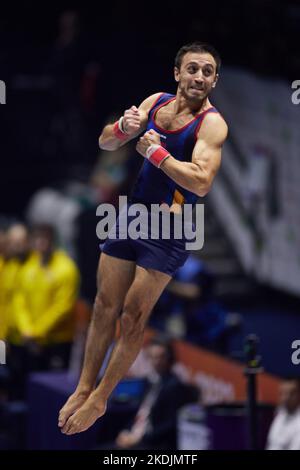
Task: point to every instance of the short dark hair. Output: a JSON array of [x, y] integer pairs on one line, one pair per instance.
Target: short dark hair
[[292, 378], [167, 344], [197, 47], [45, 229]]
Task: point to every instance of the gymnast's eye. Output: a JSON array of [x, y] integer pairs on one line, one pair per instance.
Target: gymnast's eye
[[192, 69], [207, 71]]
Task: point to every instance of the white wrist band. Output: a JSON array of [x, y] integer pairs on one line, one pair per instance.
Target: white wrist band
[[120, 124]]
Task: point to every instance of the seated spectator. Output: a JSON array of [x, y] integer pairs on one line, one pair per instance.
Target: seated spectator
[[154, 426], [284, 433], [3, 238], [46, 291], [14, 254], [3, 320]]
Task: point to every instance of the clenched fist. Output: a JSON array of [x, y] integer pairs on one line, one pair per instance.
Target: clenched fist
[[150, 137], [131, 121]]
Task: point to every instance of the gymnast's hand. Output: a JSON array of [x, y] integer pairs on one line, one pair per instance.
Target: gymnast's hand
[[131, 121], [150, 137]]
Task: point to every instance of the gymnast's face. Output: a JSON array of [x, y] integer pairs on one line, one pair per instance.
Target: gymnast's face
[[197, 75]]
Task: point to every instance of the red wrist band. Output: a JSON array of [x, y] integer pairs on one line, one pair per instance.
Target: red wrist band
[[118, 132], [157, 154]]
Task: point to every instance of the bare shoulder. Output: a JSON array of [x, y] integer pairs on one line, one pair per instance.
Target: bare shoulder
[[147, 104], [213, 128]]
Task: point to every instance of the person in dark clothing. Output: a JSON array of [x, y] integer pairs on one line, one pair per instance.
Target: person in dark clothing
[[154, 425]]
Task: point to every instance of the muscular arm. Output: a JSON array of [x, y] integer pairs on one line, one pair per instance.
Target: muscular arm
[[135, 121], [197, 176]]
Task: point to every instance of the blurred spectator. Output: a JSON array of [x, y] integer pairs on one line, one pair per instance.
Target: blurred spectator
[[42, 327], [3, 322], [154, 426], [67, 59], [108, 180], [15, 253], [110, 175], [73, 67], [3, 237], [192, 310], [284, 433], [58, 207]]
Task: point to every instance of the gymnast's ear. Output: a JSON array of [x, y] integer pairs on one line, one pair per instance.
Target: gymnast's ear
[[215, 81]]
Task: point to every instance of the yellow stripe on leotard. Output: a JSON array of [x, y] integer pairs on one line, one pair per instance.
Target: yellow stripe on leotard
[[178, 198]]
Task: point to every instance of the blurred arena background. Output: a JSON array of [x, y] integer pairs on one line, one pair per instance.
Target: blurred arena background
[[68, 70]]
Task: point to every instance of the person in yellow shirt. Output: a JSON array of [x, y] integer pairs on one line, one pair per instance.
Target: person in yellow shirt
[[15, 254], [14, 246], [3, 239], [3, 321], [42, 321], [47, 290]]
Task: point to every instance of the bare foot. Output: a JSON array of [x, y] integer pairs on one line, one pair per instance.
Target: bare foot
[[85, 416], [74, 402]]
